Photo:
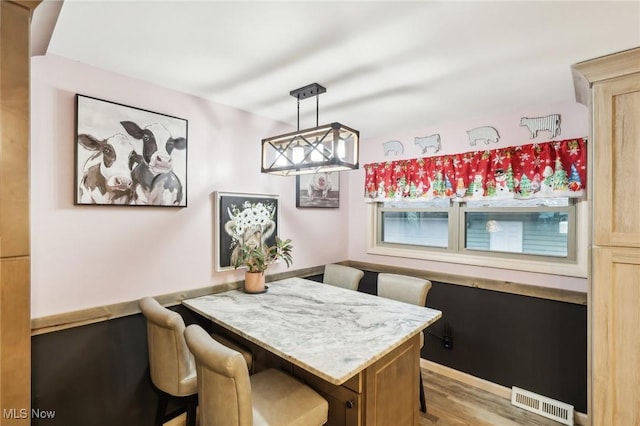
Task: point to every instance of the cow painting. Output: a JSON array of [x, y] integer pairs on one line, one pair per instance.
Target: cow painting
[[106, 176], [155, 182]]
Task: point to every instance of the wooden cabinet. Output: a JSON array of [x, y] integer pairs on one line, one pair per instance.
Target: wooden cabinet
[[616, 343], [15, 317], [616, 161], [392, 386], [611, 85]]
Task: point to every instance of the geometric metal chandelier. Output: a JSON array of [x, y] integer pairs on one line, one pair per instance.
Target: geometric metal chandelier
[[328, 148]]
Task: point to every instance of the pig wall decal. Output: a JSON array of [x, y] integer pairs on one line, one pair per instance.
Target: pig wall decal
[[393, 147], [485, 133]]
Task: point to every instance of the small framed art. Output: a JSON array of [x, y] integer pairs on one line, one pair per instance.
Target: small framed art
[[321, 190]]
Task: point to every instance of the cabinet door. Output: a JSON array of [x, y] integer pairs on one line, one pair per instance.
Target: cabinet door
[[392, 386], [616, 186], [615, 327]]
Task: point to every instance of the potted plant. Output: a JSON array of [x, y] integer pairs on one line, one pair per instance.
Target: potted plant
[[257, 259]]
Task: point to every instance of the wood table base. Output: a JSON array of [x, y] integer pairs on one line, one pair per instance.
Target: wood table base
[[385, 393]]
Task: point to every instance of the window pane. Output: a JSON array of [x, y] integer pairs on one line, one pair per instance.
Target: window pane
[[537, 233], [416, 228]]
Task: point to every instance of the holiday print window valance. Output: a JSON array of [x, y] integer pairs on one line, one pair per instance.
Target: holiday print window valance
[[549, 169]]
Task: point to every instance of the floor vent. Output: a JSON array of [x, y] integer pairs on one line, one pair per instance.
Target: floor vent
[[547, 407]]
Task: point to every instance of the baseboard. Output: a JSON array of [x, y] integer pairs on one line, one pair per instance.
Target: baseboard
[[580, 419]]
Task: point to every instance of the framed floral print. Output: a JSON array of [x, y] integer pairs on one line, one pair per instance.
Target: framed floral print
[[243, 218]]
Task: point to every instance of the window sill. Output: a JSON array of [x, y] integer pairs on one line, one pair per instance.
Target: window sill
[[570, 269]]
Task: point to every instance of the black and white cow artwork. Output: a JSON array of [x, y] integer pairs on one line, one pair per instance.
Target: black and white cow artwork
[[106, 176], [155, 182]]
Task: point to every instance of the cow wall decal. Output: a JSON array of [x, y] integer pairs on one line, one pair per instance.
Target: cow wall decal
[[426, 142], [549, 123]]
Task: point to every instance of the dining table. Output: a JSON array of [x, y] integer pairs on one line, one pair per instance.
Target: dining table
[[360, 351]]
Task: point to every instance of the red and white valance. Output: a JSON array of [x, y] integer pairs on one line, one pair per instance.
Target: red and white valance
[[549, 169]]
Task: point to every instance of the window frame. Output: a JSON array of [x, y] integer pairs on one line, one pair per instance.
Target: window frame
[[571, 233], [574, 265], [451, 227]]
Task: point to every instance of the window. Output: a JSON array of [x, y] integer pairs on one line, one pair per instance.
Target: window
[[421, 228], [539, 235]]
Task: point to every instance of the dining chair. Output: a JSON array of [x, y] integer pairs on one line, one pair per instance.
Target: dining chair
[[406, 289], [171, 365], [229, 396], [342, 276]]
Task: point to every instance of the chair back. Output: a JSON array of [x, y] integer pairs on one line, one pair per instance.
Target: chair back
[[342, 276], [404, 288], [171, 364], [224, 388]]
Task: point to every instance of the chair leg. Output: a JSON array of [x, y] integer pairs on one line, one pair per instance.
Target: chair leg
[[162, 408], [192, 408], [189, 404], [423, 404]]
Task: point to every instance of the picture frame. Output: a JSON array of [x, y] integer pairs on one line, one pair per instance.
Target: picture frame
[[318, 190], [241, 217], [128, 156]]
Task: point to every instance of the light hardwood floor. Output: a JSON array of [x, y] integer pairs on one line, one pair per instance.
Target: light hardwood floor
[[453, 403]]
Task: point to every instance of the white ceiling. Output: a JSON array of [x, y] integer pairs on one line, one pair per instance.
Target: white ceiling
[[387, 66]]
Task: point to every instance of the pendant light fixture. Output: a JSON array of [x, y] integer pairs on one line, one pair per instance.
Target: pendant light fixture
[[328, 148]]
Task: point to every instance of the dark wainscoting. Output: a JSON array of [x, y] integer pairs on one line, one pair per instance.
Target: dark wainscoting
[[98, 374], [536, 344]]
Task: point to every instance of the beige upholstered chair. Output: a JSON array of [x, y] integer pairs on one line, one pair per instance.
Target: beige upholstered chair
[[409, 290], [172, 365], [230, 397], [342, 276]]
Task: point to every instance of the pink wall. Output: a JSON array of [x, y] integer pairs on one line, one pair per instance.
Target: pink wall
[[84, 256], [87, 256], [574, 123]]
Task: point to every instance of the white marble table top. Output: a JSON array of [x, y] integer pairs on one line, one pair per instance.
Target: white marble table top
[[329, 331]]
